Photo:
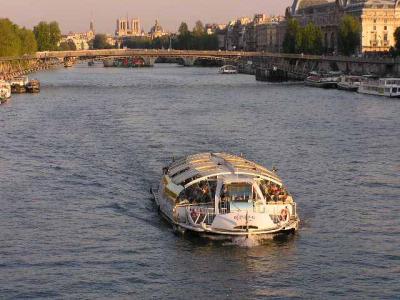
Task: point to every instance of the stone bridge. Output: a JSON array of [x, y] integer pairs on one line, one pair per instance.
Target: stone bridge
[[295, 66], [148, 55]]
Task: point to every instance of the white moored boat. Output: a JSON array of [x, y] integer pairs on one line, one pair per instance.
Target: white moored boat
[[219, 194], [5, 91], [389, 87], [18, 84], [228, 69], [349, 83], [326, 81]]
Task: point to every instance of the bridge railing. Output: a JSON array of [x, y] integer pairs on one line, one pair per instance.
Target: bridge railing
[[198, 54]]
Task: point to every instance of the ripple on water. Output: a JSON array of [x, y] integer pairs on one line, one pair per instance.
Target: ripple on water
[[77, 162]]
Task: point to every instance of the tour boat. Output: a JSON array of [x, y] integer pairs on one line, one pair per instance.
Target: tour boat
[[5, 91], [219, 195], [328, 80], [18, 84], [228, 69], [33, 86], [389, 87], [349, 83]]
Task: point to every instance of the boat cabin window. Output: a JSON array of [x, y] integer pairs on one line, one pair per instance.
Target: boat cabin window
[[237, 197], [237, 192], [199, 193], [272, 191], [394, 90]]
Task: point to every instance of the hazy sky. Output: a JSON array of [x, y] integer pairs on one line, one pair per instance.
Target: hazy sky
[[74, 15]]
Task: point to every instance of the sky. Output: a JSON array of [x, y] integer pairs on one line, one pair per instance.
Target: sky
[[75, 15]]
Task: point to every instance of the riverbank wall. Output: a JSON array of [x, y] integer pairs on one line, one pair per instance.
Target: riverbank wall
[[11, 68], [281, 67]]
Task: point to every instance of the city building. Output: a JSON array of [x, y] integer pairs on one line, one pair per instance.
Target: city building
[[81, 40], [157, 31], [261, 33], [379, 19], [252, 31], [128, 27], [235, 38], [213, 28], [270, 35]]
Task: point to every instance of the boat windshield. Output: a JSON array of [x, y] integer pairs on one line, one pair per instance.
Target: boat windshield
[[237, 192]]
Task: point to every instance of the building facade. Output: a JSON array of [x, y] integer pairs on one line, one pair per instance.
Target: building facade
[[81, 40], [235, 38], [378, 18], [270, 35], [128, 27], [157, 31]]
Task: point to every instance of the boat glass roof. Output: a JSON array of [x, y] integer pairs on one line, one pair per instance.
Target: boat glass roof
[[203, 165]]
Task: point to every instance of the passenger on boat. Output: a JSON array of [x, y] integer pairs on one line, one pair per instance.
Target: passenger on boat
[[265, 189], [274, 191], [205, 197], [284, 216]]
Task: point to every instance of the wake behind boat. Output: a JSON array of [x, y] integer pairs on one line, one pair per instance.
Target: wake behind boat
[[219, 194]]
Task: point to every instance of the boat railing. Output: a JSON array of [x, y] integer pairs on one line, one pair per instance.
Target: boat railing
[[199, 215]]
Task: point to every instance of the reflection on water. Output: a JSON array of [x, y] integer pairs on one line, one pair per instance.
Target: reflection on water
[[77, 162]]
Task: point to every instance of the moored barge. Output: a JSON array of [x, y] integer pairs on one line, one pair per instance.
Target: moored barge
[[33, 86]]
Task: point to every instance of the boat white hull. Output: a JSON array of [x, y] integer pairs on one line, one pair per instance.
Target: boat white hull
[[321, 84], [347, 87], [208, 231], [379, 92], [228, 72], [5, 93]]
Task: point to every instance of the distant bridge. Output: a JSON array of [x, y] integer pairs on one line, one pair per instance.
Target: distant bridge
[[296, 65]]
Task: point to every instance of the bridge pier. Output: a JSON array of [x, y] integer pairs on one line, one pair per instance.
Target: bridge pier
[[149, 60], [189, 61]]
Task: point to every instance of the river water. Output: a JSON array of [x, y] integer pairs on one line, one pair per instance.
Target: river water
[[77, 162]]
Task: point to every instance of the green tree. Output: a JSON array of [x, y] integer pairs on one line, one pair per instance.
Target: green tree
[[68, 45], [28, 41], [198, 29], [397, 38], [291, 36], [183, 29], [349, 34], [15, 41], [55, 35], [100, 42], [309, 40], [210, 42], [42, 35], [47, 36], [10, 44]]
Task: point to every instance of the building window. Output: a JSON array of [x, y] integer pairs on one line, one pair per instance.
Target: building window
[[385, 27], [385, 37], [374, 27], [374, 20]]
